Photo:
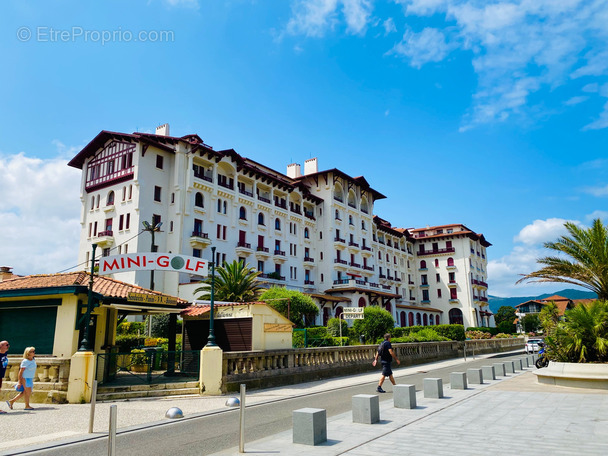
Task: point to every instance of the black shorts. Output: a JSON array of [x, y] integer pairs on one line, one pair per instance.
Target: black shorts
[[386, 369]]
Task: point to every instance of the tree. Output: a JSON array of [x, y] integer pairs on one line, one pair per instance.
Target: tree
[[530, 323], [375, 324], [549, 318], [505, 313], [506, 327], [333, 327], [583, 335], [586, 262], [234, 282], [298, 306]]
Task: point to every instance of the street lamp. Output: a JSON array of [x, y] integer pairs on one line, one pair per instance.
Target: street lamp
[[151, 229], [84, 345], [211, 338]]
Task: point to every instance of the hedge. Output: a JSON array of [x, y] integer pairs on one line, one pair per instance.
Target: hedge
[[452, 332], [492, 331]]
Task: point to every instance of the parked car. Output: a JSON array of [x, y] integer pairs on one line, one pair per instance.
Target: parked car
[[532, 345]]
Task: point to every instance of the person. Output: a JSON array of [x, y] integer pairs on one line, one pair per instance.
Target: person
[[25, 383], [386, 354], [3, 362]]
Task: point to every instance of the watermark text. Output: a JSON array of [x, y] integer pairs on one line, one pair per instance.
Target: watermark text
[[46, 34]]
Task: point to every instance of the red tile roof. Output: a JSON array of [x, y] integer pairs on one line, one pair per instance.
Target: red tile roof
[[101, 285]]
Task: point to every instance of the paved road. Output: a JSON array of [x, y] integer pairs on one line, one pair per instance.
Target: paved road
[[217, 431]]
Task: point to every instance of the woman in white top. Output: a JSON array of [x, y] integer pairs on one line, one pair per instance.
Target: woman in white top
[[25, 383]]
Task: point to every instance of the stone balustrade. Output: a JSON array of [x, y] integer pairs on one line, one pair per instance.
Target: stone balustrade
[[50, 382]]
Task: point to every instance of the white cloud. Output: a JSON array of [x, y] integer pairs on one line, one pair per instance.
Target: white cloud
[[541, 231], [389, 26], [313, 18], [602, 215], [427, 46], [39, 213], [597, 191], [575, 100], [357, 14]]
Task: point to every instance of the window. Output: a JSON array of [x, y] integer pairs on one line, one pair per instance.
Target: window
[[453, 293], [261, 266], [224, 207], [130, 191], [337, 214], [277, 224], [363, 225], [350, 220], [197, 253], [172, 198], [448, 244], [92, 202], [436, 262], [121, 220], [431, 320], [452, 277], [277, 245], [90, 229], [439, 292], [155, 219], [159, 161], [424, 279], [106, 252], [108, 224], [450, 261], [261, 218], [321, 257], [425, 320], [97, 203], [198, 227], [110, 199], [199, 200], [306, 233], [171, 226], [219, 206], [128, 222], [437, 277], [157, 191], [242, 213], [423, 264], [124, 193], [95, 229]]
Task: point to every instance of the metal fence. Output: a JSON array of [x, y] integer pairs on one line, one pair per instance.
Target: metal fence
[[152, 365]]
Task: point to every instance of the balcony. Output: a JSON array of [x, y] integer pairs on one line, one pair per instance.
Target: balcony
[[280, 203], [483, 299], [279, 256], [296, 209], [105, 238], [243, 248], [368, 268], [364, 247], [308, 259], [262, 252], [309, 214], [452, 283], [354, 265], [200, 174], [309, 282], [353, 244], [436, 251], [264, 199], [242, 191], [227, 185], [339, 243], [271, 275], [199, 239], [382, 276], [424, 285]]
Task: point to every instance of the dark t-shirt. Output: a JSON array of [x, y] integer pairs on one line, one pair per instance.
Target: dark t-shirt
[[3, 364], [385, 354]]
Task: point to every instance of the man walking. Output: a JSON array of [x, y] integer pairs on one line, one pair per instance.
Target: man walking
[[386, 354], [3, 362]]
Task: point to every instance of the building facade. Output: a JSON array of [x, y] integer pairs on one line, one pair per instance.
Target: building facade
[[313, 231]]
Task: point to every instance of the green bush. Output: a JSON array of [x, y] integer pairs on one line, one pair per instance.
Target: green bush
[[333, 327], [375, 324], [492, 331], [138, 356], [451, 332], [506, 327], [127, 342], [424, 335], [502, 336], [478, 335], [131, 327]]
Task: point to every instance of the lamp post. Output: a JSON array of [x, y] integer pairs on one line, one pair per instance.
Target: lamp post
[[211, 338], [84, 345], [151, 229]]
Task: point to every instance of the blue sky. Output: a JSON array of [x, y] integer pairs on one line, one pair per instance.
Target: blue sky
[[489, 113]]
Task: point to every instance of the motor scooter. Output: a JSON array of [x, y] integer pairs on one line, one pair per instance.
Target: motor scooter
[[542, 360]]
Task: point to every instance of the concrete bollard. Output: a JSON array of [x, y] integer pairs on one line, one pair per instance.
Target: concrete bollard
[[458, 381], [475, 376], [531, 360], [488, 372], [309, 426], [525, 362], [366, 408], [510, 367], [517, 366], [433, 388], [499, 369], [404, 396]]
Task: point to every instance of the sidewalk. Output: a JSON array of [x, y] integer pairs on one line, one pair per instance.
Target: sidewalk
[[501, 417]]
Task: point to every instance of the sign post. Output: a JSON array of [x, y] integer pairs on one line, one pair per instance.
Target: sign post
[[350, 313]]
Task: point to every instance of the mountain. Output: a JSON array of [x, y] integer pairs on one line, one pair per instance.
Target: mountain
[[497, 302]]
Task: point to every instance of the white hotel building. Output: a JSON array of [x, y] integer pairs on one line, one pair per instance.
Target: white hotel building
[[312, 231]]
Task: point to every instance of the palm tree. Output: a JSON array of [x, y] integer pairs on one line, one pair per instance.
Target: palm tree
[[234, 282], [587, 265]]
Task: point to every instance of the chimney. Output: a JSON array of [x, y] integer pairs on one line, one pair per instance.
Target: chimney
[[163, 130], [294, 170], [310, 166], [5, 273]]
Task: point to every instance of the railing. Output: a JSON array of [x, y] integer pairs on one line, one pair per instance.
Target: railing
[[364, 247], [264, 199], [200, 234], [147, 366], [354, 265], [353, 244], [310, 215], [338, 239], [281, 204], [203, 176], [288, 366], [226, 185], [245, 192], [272, 275], [262, 249], [309, 259], [309, 282], [243, 244], [337, 261], [105, 233], [295, 209], [51, 376], [279, 252], [436, 251]]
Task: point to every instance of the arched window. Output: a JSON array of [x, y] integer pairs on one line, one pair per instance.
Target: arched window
[[389, 308], [402, 319], [418, 322], [387, 259], [395, 260], [242, 213], [423, 264], [337, 214], [338, 311], [110, 199], [363, 224], [199, 200], [260, 218], [431, 320], [219, 206], [325, 316], [450, 261], [277, 224], [436, 262], [98, 201], [306, 233], [225, 205], [456, 317], [425, 319], [350, 220], [124, 193], [362, 302], [92, 202], [410, 319], [437, 319]]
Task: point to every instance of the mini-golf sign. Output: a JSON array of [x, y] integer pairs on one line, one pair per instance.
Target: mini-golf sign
[[353, 313], [151, 299], [152, 261]]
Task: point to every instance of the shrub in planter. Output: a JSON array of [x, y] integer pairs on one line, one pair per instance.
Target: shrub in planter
[[492, 331], [139, 362], [478, 335], [127, 342], [502, 336]]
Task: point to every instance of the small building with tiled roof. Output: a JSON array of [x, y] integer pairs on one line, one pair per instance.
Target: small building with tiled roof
[[46, 311], [534, 306], [238, 326]]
